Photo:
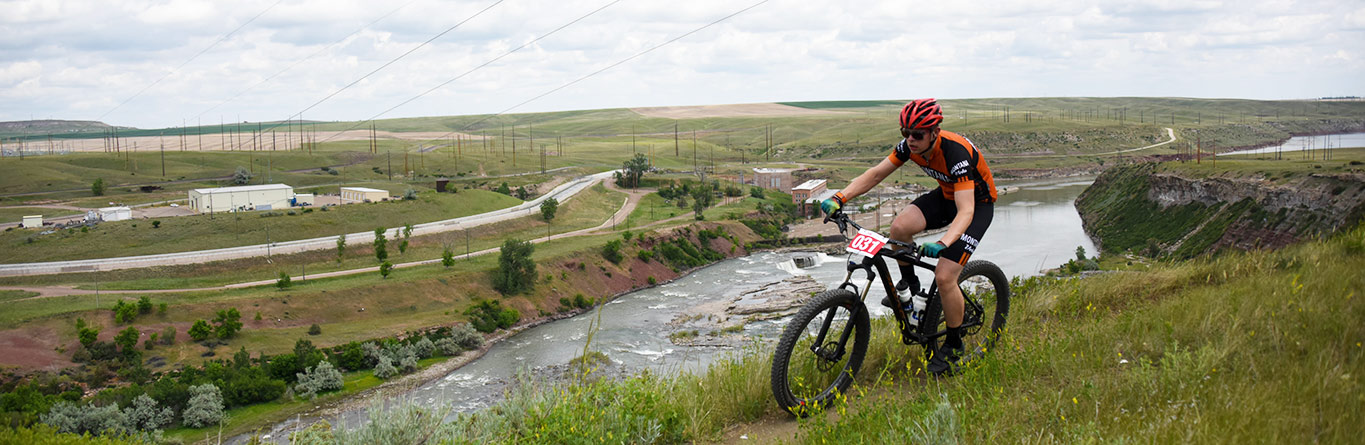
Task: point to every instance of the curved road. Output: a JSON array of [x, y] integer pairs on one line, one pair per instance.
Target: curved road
[[562, 193]]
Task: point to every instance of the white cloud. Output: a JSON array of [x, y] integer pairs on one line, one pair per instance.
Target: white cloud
[[78, 59]]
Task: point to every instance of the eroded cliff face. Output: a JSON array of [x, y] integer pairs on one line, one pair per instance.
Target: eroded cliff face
[[1157, 210]]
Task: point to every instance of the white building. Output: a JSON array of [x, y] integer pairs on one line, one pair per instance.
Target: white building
[[32, 221], [108, 214], [236, 199], [362, 194]]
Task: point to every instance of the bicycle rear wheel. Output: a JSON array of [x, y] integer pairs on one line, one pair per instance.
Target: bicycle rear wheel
[[821, 349], [986, 293]]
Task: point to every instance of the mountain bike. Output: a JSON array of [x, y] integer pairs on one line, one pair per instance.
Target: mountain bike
[[823, 346]]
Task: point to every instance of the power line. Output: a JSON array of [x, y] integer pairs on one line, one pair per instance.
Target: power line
[[391, 62], [471, 70], [182, 65], [315, 54]]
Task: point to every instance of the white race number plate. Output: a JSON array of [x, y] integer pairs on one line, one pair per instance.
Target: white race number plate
[[866, 243]]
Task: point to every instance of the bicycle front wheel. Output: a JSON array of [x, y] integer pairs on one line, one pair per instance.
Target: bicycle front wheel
[[821, 349]]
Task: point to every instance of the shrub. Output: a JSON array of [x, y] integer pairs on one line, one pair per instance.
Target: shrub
[[323, 378], [466, 336], [144, 305], [205, 406], [448, 347], [385, 269], [424, 347], [489, 316], [168, 335], [385, 369], [68, 417], [161, 309], [409, 195], [315, 329], [143, 414], [241, 176], [97, 187], [645, 255], [156, 224], [284, 280], [612, 251], [381, 251], [201, 330]]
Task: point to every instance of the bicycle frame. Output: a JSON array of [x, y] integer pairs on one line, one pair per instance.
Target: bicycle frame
[[904, 253]]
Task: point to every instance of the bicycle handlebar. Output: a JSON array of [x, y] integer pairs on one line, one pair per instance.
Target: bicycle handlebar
[[843, 221]]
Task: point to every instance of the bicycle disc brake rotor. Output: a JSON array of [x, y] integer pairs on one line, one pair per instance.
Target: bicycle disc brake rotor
[[824, 357]]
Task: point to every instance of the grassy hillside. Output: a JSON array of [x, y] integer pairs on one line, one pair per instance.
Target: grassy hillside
[[1249, 347]]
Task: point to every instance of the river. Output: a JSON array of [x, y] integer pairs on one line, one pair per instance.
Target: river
[[1306, 143], [1035, 228]]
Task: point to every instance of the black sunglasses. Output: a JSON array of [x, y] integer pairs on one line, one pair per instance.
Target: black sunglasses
[[913, 134]]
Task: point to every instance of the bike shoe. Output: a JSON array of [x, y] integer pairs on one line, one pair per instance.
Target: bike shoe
[[944, 362]]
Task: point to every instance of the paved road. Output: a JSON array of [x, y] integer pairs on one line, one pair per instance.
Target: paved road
[[562, 193]]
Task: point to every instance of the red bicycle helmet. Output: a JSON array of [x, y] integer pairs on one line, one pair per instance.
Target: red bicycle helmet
[[921, 114]]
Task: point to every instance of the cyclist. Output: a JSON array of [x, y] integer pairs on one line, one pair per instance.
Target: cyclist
[[964, 202]]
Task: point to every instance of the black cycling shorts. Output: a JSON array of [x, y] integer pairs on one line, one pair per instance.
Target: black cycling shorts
[[939, 212]]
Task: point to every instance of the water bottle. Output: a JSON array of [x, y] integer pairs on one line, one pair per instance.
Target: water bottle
[[915, 309]]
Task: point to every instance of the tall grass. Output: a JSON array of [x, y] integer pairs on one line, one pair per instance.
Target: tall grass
[[1248, 347]]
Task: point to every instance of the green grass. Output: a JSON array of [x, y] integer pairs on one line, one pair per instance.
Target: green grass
[[1204, 351], [11, 295], [198, 232]]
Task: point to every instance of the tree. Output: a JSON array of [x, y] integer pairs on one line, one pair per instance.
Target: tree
[[701, 199], [241, 176], [228, 322], [97, 188], [381, 243], [548, 207], [447, 257], [144, 305], [284, 280], [466, 336], [504, 189], [168, 335], [516, 271], [407, 235], [634, 169], [489, 316], [385, 269], [341, 247], [127, 339], [205, 406], [201, 330], [756, 192]]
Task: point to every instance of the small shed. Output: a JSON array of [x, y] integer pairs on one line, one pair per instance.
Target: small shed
[[32, 221], [108, 214], [363, 194], [441, 185]]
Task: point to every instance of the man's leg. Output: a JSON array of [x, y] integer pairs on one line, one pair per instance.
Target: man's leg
[[945, 275], [906, 225]]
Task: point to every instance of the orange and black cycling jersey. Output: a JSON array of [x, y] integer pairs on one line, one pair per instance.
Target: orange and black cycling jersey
[[954, 162]]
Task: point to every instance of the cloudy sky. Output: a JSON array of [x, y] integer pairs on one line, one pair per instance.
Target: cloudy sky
[[156, 64]]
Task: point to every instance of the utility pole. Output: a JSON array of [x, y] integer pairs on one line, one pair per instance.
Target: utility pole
[[389, 155]]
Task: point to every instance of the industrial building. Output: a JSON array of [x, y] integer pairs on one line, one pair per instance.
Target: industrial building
[[32, 221], [809, 195], [779, 179], [114, 213], [362, 194], [242, 198]]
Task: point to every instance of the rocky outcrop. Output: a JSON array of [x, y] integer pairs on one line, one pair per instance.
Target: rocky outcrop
[[1158, 210]]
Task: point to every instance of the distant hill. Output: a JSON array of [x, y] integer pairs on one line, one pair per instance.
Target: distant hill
[[50, 126]]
